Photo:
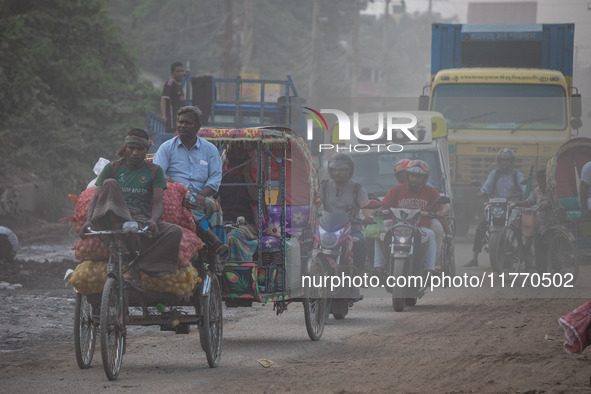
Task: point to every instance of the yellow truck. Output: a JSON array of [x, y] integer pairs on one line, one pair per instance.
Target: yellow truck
[[500, 86]]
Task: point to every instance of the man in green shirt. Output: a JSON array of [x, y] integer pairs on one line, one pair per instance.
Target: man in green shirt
[[132, 189]]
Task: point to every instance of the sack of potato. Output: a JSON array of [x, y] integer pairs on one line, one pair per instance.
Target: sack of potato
[[89, 277], [181, 284]]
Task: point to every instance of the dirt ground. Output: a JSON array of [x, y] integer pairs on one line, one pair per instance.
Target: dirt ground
[[457, 345]]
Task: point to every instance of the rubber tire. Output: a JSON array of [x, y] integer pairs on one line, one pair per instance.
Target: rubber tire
[[493, 250], [211, 331], [112, 329], [315, 304], [508, 248], [448, 263], [560, 250], [411, 301], [398, 293], [85, 331]]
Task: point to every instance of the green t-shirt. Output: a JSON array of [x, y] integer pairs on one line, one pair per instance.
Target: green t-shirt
[[137, 185]]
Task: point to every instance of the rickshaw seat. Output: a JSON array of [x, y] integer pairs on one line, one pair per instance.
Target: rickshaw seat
[[296, 218]]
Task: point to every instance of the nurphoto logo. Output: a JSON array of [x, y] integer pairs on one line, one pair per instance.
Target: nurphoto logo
[[397, 128]]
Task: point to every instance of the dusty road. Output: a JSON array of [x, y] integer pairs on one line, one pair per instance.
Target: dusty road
[[454, 340]]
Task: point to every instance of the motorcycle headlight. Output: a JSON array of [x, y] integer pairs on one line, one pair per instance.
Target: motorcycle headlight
[[498, 212], [329, 239], [402, 235]]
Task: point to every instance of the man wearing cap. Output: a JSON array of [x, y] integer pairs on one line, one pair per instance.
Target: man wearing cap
[[132, 189]]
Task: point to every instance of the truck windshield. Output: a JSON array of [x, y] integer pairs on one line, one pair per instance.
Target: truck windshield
[[375, 170], [501, 107]]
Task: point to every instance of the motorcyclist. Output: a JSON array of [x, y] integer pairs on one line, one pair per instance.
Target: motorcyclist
[[340, 194], [414, 194], [502, 182], [436, 225]]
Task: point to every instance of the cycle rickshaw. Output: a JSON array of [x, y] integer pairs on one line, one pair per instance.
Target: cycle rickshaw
[[286, 183], [106, 305], [570, 238]]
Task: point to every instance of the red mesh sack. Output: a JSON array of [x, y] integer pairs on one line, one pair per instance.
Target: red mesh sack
[[190, 244], [81, 208], [91, 248], [576, 329], [172, 208]]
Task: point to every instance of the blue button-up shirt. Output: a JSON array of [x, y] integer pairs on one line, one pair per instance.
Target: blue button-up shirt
[[195, 168]]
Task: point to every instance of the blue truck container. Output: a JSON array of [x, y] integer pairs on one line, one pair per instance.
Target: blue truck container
[[542, 46]]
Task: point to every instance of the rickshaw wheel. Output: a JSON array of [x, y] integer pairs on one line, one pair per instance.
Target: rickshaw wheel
[[112, 328], [448, 263], [562, 255], [211, 329], [315, 303], [84, 332]]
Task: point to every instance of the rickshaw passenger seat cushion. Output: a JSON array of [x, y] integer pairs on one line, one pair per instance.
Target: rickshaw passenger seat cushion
[[572, 215], [569, 203], [571, 208]]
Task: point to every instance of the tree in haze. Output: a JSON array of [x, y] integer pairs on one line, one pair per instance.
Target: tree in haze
[[275, 38], [70, 90]]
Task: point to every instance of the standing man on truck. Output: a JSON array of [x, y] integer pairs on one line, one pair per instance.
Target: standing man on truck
[[173, 97], [502, 182]]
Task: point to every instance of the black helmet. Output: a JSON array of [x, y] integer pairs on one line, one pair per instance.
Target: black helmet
[[505, 158], [341, 161]]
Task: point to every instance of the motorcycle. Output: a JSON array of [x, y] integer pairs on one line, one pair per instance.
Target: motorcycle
[[406, 245], [333, 250], [496, 214]]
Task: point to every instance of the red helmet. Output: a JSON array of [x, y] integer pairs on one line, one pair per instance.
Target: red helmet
[[401, 165]]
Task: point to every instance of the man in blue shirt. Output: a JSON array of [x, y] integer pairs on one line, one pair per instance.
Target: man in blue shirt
[[196, 163], [502, 182]]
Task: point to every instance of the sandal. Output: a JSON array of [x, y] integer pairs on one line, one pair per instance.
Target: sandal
[[135, 282]]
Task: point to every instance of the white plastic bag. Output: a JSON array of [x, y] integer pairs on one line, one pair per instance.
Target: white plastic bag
[[98, 167]]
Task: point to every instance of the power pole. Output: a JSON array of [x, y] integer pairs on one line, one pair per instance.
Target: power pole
[[355, 45], [227, 53], [384, 66], [313, 61]]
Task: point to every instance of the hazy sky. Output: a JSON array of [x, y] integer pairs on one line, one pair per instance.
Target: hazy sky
[[549, 11]]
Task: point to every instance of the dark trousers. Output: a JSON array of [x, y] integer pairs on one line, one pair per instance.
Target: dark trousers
[[359, 251], [479, 238]]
